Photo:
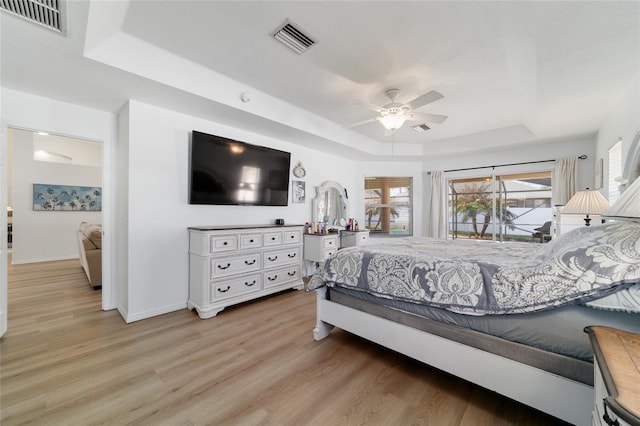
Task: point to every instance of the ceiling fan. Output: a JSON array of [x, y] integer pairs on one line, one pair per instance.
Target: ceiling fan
[[393, 115]]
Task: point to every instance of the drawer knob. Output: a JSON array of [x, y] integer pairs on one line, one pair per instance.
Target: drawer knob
[[225, 243], [293, 236], [275, 277], [291, 255], [272, 259], [246, 262], [250, 284], [273, 238], [224, 290], [224, 267], [291, 274], [251, 240]]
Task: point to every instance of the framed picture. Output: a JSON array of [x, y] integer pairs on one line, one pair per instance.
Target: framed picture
[[298, 192], [598, 174], [66, 198]]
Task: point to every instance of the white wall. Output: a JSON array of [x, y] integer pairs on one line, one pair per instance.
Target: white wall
[[26, 111], [40, 236], [540, 151], [157, 210]]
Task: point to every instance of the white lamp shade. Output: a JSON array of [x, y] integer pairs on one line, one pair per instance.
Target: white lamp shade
[[586, 202], [628, 205], [393, 121]]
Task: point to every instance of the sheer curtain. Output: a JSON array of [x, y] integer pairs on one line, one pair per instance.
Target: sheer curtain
[[565, 182], [436, 204]]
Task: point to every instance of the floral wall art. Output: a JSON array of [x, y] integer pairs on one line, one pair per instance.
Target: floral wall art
[[66, 198]]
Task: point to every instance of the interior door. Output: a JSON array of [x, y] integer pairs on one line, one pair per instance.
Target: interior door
[[3, 231]]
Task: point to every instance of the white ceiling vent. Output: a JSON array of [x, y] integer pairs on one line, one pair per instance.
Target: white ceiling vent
[[42, 12], [421, 128], [292, 37]]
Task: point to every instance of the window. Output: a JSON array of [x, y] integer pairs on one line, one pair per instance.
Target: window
[[388, 206], [615, 171], [521, 202]]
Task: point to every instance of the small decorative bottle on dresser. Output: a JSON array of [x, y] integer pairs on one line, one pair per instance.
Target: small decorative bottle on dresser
[[229, 265]]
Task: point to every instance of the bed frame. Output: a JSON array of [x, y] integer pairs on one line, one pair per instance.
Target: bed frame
[[561, 397]]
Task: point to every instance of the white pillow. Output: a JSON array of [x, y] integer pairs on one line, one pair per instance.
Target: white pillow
[[627, 300]]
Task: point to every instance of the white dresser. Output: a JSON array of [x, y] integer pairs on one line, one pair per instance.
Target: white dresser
[[354, 238], [317, 248], [229, 265]]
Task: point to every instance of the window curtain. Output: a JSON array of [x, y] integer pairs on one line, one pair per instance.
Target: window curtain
[[436, 204], [565, 180]]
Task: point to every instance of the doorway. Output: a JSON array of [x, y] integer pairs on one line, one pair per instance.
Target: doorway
[[53, 183]]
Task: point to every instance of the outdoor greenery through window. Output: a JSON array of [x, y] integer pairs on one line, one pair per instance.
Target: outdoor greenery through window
[[514, 207], [388, 206]]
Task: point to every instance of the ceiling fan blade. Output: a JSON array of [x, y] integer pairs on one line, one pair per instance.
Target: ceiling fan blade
[[362, 123], [426, 117], [366, 105], [425, 99]]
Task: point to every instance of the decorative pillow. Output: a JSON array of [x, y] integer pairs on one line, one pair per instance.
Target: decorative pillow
[[94, 233]]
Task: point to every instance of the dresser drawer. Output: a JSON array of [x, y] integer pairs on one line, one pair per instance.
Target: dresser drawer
[[235, 286], [281, 276], [330, 243], [249, 241], [273, 238], [276, 258], [292, 237], [222, 243], [330, 252], [235, 265]]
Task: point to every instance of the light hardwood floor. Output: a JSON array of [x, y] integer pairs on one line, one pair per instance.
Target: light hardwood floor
[[64, 362]]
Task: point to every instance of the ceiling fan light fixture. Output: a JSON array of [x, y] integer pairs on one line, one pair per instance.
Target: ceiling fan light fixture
[[394, 117], [392, 121]]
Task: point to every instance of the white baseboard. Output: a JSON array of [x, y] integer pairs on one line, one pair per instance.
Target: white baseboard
[[128, 317], [44, 259]]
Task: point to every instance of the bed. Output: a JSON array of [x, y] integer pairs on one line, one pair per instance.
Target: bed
[[517, 310]]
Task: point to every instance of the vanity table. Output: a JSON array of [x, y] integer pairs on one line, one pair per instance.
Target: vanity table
[[354, 238], [330, 207], [317, 248]]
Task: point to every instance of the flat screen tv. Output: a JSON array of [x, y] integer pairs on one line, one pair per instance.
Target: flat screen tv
[[229, 172]]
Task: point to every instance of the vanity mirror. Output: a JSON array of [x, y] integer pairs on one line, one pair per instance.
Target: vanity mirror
[[331, 205]]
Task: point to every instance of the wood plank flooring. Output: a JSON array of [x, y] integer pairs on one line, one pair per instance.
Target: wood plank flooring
[[66, 362]]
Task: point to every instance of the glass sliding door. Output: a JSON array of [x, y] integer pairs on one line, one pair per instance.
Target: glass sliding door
[[510, 207]]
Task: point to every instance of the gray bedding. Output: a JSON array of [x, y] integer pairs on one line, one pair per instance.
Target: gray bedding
[[559, 331], [479, 278]]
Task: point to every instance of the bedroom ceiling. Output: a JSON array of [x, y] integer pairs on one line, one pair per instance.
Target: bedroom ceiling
[[510, 72]]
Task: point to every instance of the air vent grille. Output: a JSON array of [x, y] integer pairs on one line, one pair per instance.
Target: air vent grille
[[42, 12], [421, 128], [292, 37]]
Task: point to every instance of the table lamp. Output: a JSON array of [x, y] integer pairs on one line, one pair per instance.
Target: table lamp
[[589, 201]]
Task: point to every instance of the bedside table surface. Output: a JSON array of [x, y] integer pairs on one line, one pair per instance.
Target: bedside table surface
[[618, 354]]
